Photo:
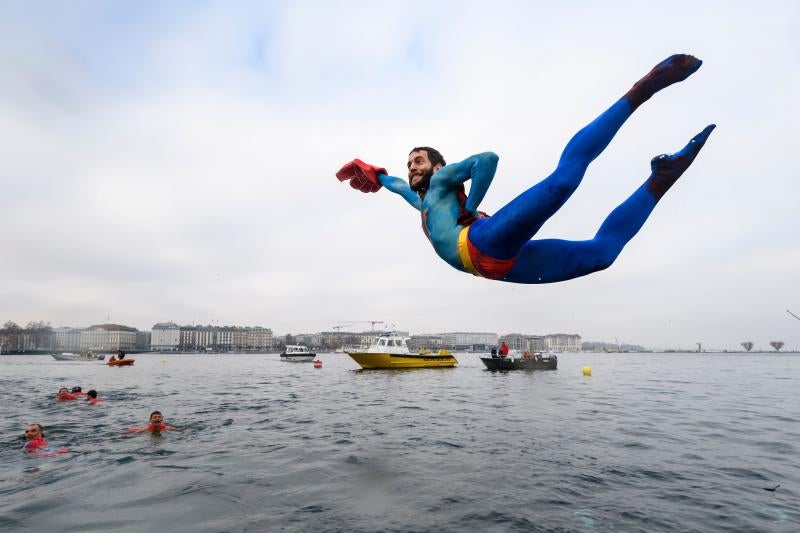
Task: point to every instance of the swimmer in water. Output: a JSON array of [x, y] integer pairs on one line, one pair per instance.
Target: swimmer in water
[[64, 395], [36, 443], [77, 391], [155, 425], [91, 397], [34, 435]]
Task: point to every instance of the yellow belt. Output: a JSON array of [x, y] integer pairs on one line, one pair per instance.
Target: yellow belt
[[463, 252]]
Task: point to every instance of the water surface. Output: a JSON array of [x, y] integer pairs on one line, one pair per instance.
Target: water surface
[[649, 442]]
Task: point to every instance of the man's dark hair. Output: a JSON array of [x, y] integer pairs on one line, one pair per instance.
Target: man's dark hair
[[77, 389], [92, 394], [433, 155], [154, 413]]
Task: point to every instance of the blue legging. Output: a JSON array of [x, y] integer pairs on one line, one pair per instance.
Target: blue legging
[[508, 233]]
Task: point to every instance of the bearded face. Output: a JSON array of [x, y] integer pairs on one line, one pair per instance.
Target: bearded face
[[420, 170], [422, 183]]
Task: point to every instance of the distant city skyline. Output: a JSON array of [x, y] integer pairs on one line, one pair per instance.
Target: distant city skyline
[[755, 345]]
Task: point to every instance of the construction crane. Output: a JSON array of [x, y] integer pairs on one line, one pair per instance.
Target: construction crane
[[354, 322]]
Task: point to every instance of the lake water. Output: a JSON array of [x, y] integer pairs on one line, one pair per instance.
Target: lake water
[[649, 442]]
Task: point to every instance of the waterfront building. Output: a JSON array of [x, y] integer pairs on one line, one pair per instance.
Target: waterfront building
[[14, 341], [258, 339], [331, 340], [197, 338], [432, 342], [312, 340], [524, 342], [224, 339], [561, 342], [143, 341], [466, 341], [108, 337], [165, 337], [67, 339]]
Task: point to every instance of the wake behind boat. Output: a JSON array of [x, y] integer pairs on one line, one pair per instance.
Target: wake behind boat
[[297, 353], [391, 351], [535, 361]]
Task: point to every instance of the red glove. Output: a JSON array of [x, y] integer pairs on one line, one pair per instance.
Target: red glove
[[362, 176]]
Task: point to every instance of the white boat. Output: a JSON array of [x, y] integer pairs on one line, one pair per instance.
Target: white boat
[[83, 356], [297, 352], [352, 348]]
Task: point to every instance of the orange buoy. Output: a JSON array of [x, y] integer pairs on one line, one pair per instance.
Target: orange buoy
[[317, 363]]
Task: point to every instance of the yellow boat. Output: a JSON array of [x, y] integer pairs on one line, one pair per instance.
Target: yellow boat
[[391, 351]]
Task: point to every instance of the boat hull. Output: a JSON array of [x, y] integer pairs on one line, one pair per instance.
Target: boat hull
[[387, 361], [298, 358], [76, 357], [65, 357], [121, 362], [522, 363]]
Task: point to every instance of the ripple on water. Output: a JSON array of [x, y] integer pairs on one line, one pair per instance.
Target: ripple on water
[[642, 446]]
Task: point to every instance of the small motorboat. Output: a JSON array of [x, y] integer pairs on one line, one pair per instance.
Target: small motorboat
[[534, 361], [390, 351], [83, 356], [120, 362], [297, 353]]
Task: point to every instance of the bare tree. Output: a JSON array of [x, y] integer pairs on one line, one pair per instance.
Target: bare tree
[[747, 345], [777, 345]]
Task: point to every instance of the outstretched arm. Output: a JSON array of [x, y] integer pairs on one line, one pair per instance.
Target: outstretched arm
[[400, 186], [480, 169]]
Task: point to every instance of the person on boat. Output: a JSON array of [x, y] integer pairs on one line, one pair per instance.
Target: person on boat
[[35, 442], [503, 349], [64, 395], [500, 247], [91, 397], [120, 355], [494, 351], [155, 425]]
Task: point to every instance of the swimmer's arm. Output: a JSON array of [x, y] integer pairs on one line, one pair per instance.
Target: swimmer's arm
[[479, 168], [399, 186]]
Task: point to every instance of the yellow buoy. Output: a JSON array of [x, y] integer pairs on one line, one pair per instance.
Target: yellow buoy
[[163, 360], [587, 371]]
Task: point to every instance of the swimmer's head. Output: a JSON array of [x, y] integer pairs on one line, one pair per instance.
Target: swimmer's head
[[92, 394], [423, 163], [77, 389], [156, 418], [34, 431]]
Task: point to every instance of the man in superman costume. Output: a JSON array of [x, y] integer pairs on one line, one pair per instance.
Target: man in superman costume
[[500, 247]]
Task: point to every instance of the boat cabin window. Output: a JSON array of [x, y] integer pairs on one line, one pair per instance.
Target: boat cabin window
[[391, 342], [382, 342]]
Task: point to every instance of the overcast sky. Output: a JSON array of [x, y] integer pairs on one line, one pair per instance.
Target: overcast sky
[[175, 161]]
